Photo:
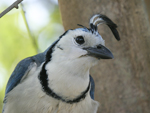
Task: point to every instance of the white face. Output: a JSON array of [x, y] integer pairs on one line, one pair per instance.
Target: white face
[[69, 49]]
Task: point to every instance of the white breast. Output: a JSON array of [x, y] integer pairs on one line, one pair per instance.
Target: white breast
[[28, 97]]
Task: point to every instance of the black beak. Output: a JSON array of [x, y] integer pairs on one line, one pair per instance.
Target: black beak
[[100, 52]]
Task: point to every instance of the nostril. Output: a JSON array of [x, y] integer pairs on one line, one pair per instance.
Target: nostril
[[99, 47]]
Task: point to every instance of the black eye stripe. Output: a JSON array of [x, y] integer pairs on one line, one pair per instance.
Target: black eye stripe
[[79, 40]]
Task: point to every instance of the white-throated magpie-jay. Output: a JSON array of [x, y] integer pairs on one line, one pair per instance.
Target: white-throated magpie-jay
[[57, 80]]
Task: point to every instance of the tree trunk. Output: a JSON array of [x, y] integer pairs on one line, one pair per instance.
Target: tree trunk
[[123, 83]]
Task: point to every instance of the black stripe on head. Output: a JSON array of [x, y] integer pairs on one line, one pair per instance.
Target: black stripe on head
[[93, 27]]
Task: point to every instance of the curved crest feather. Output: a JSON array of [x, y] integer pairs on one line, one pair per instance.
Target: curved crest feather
[[101, 19]]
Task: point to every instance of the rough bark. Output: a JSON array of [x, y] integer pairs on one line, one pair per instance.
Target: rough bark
[[147, 3], [122, 84]]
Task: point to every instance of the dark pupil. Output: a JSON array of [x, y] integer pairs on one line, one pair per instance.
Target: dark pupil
[[80, 40]]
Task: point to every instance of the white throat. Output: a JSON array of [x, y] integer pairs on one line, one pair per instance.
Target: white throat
[[68, 78]]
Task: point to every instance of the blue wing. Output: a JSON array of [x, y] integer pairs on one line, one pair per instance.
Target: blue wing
[[21, 69], [17, 74]]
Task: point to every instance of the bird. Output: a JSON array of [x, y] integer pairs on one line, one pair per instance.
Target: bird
[[58, 80]]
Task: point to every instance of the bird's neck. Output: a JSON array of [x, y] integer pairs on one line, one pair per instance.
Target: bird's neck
[[68, 79]]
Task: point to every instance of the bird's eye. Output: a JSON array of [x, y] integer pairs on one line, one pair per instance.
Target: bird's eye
[[80, 40]]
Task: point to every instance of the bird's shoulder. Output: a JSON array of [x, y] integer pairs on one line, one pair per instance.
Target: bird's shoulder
[[23, 67]]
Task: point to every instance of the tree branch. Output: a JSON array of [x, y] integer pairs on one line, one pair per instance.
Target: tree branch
[[14, 5], [28, 29]]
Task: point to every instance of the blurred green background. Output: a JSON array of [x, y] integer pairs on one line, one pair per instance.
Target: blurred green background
[[45, 25]]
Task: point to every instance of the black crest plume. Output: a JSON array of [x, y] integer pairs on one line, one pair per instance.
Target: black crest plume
[[102, 19]]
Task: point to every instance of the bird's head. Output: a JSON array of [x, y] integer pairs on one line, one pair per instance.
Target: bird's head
[[83, 44]]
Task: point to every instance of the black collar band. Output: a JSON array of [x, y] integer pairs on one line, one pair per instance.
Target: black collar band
[[71, 101], [43, 77]]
